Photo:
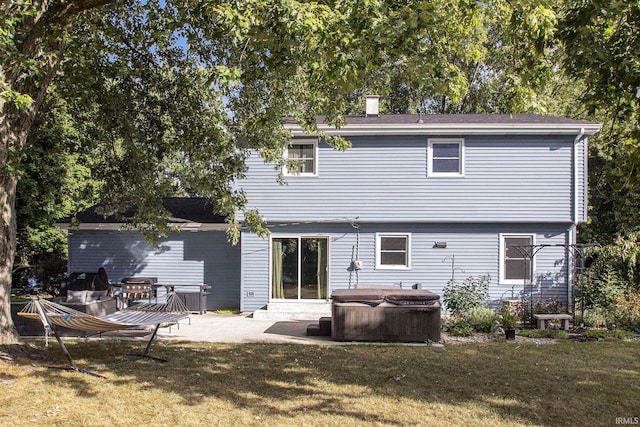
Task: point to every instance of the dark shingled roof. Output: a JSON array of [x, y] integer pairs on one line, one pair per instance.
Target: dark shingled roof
[[427, 119], [182, 209]]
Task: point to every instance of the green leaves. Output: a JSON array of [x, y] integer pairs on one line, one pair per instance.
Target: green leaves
[[170, 97], [602, 41], [602, 53]]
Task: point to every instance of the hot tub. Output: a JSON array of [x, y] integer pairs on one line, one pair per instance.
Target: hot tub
[[385, 314]]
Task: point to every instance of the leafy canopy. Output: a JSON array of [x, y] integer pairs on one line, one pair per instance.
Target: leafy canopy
[[168, 98]]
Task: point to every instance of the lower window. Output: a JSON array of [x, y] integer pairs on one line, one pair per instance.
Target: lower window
[[393, 250], [515, 259], [299, 268]]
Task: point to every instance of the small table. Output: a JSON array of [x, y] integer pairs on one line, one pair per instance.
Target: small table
[[542, 318]]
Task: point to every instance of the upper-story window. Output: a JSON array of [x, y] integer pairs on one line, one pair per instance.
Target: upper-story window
[[393, 250], [302, 158], [515, 258], [445, 157]]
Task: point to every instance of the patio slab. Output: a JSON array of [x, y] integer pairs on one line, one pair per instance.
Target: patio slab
[[241, 328]]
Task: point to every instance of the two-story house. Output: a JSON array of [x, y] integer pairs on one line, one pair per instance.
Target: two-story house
[[416, 199]]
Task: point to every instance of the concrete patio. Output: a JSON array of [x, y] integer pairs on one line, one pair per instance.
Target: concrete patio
[[241, 328]]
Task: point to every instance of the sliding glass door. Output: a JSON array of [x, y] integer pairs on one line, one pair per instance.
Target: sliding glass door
[[299, 268]]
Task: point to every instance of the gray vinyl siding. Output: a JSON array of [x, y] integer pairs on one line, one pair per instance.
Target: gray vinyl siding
[[507, 179], [255, 272], [474, 246], [181, 258]]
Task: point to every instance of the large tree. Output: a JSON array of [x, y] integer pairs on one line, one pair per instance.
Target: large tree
[[601, 41], [171, 96], [31, 47], [509, 66]]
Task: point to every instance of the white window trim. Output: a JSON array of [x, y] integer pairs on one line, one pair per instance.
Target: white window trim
[[380, 266], [504, 236], [315, 157], [431, 141]]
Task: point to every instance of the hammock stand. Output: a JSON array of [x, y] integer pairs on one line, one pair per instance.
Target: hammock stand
[[147, 314]]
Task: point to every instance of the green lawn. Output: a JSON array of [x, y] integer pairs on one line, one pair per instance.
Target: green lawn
[[492, 384]]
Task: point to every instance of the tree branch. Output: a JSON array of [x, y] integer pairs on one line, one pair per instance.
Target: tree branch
[[69, 9], [51, 14]]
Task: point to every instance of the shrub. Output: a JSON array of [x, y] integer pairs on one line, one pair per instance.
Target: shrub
[[458, 327], [508, 318], [626, 311], [462, 297], [620, 260], [602, 288], [611, 286], [620, 312], [551, 306], [597, 318], [480, 319]]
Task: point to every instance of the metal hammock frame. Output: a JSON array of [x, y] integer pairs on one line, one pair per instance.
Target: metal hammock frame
[[54, 315]]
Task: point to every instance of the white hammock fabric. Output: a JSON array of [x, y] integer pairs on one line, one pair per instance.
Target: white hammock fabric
[[142, 315]]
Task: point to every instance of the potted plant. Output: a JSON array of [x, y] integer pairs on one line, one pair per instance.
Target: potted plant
[[508, 321]]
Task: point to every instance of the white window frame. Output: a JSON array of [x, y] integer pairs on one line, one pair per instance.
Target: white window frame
[[298, 237], [431, 142], [503, 237], [314, 142], [379, 265]]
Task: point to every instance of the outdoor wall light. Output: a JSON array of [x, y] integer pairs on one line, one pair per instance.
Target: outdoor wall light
[[440, 245]]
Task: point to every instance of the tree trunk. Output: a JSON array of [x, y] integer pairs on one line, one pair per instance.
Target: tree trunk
[[8, 333], [10, 136], [15, 124], [14, 129], [38, 37]]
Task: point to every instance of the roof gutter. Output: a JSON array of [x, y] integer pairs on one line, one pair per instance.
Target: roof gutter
[[451, 129], [118, 226]]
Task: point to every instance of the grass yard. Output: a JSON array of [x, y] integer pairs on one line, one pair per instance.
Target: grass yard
[[204, 384]]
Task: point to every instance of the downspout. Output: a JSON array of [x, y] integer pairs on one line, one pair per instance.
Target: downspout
[[575, 175], [573, 234]]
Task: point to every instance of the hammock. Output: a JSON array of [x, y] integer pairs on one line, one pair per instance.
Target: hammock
[[140, 315], [147, 314]]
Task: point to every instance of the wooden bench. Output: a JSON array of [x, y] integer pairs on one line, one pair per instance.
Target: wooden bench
[[542, 318]]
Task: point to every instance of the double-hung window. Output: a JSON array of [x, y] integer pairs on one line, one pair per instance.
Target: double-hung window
[[445, 157], [393, 250], [302, 158], [515, 258]]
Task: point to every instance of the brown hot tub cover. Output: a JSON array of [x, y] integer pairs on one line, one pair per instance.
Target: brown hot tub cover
[[385, 314], [375, 296]]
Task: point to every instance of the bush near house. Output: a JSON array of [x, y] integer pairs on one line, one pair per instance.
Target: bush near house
[[611, 285], [550, 306], [462, 297], [466, 301], [477, 319], [458, 327]]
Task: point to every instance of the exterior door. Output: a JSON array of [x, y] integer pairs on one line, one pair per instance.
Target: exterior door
[[299, 268]]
